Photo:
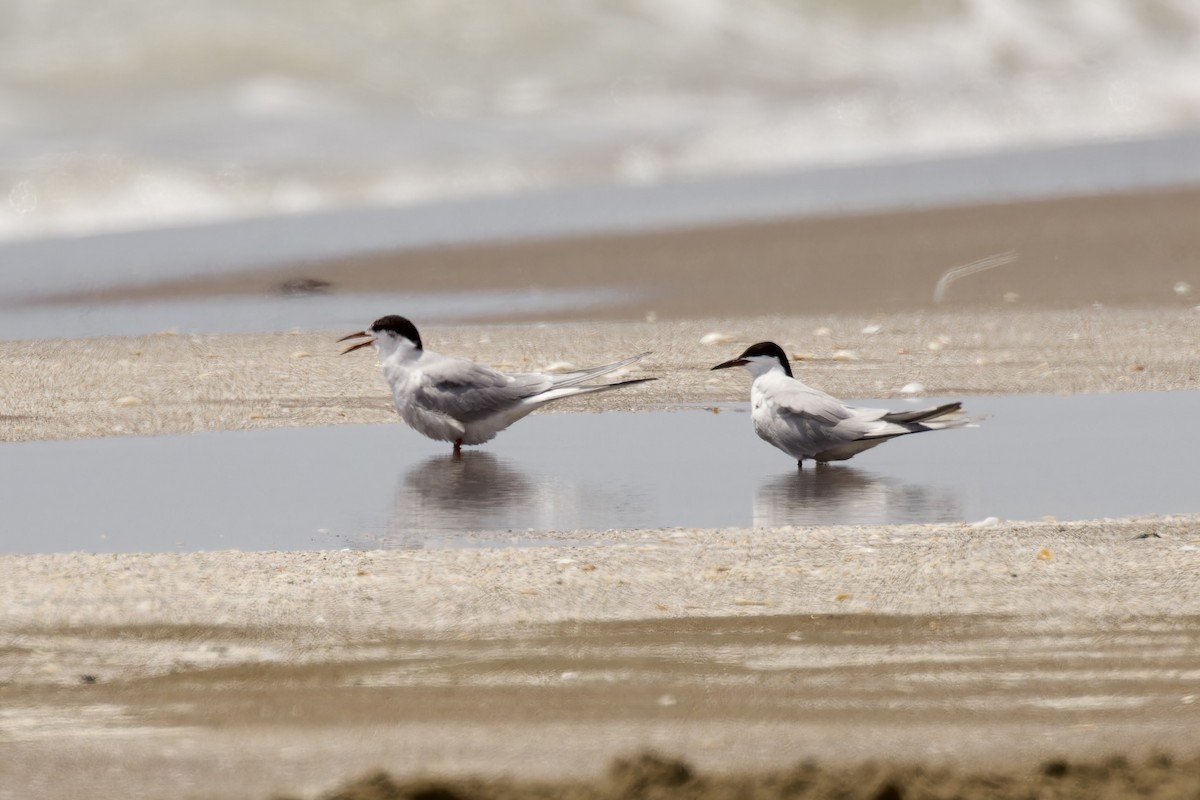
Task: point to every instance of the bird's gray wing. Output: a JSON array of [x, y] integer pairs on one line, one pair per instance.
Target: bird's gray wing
[[875, 426], [815, 420], [468, 391]]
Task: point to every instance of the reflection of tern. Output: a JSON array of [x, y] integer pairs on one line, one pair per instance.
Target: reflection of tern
[[807, 423], [475, 492], [847, 496], [458, 495], [477, 483], [457, 400]]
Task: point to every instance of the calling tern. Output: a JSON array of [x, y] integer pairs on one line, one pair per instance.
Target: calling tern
[[457, 400]]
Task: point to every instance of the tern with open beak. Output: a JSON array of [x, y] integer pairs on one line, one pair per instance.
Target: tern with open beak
[[457, 400]]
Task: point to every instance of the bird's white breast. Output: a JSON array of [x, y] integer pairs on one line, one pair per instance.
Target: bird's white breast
[[764, 413], [405, 379]]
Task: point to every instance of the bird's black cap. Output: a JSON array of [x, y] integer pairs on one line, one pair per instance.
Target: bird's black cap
[[769, 349], [394, 323]]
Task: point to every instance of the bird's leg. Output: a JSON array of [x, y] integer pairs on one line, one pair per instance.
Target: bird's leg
[[457, 447], [800, 464]]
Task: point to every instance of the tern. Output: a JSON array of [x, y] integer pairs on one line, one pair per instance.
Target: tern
[[807, 423], [457, 400]]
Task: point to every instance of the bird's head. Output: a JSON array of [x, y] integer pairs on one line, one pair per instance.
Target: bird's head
[[388, 334], [760, 359]]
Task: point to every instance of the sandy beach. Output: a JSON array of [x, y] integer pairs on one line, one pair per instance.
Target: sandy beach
[[997, 648], [172, 383]]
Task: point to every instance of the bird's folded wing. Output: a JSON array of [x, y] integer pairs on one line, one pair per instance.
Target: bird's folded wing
[[805, 402], [814, 420], [468, 391]]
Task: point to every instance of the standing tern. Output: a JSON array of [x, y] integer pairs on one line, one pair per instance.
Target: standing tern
[[807, 423], [456, 400]]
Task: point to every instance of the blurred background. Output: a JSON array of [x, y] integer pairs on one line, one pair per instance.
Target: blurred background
[[134, 114], [143, 143]]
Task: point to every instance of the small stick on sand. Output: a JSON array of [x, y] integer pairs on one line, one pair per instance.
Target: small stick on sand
[[951, 275]]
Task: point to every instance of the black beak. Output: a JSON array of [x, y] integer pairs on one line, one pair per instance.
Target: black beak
[[736, 362], [370, 341]]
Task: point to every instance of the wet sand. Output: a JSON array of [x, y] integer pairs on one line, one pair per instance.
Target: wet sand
[[736, 649], [980, 648], [993, 648], [1127, 249]]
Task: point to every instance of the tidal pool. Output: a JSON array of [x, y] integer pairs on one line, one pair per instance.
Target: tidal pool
[[554, 477]]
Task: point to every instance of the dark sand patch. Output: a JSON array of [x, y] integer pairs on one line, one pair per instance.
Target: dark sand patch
[[654, 776]]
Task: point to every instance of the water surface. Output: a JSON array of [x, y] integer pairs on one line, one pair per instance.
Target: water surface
[[554, 477]]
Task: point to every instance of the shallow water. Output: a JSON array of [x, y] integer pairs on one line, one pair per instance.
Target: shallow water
[[1082, 456]]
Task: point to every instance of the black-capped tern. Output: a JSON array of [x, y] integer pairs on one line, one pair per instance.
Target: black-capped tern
[[457, 400], [807, 423]]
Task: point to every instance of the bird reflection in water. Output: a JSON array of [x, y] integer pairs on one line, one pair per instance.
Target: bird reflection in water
[[453, 496], [839, 495]]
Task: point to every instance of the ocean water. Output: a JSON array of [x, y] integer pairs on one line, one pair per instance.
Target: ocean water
[[137, 114]]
